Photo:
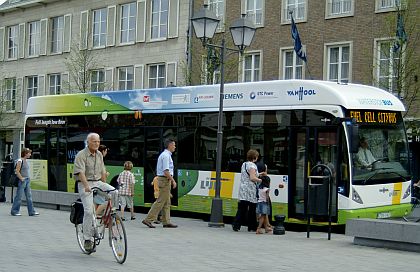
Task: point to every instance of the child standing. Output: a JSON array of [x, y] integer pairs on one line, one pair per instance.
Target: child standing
[[126, 181], [262, 205]]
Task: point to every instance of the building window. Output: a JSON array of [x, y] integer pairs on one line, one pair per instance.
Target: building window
[[255, 11], [10, 98], [32, 86], [339, 8], [388, 5], [387, 66], [34, 38], [99, 27], [292, 65], [159, 23], [97, 80], [218, 7], [298, 9], [55, 83], [57, 34], [338, 63], [157, 76], [13, 41], [128, 23], [125, 78], [252, 67]]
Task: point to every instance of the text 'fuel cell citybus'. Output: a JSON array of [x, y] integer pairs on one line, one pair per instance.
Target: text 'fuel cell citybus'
[[294, 124]]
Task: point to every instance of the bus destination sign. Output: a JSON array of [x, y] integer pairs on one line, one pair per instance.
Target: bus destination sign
[[46, 122], [371, 117]]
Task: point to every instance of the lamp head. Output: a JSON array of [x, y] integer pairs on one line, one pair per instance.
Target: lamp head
[[243, 31], [205, 23]]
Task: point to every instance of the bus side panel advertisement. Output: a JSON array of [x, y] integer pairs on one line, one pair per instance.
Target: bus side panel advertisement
[[197, 188], [38, 170]]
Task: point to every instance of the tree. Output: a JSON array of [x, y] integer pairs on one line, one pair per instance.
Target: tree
[[208, 60], [81, 62], [400, 60]]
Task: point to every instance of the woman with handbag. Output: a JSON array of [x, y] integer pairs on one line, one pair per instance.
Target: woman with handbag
[[246, 214]]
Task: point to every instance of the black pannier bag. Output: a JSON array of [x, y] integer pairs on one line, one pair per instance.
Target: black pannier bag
[[76, 212]]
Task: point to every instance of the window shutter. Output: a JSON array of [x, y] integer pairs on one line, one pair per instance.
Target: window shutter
[[67, 33], [138, 76], [171, 73], [110, 36], [44, 37], [173, 19], [24, 93], [41, 85], [65, 85], [141, 21], [109, 79], [21, 45], [19, 94], [1, 43], [84, 20]]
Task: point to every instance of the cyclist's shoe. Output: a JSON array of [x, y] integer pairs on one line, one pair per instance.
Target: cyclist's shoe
[[88, 245]]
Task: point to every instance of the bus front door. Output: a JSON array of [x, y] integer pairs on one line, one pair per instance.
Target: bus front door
[[309, 146], [153, 146]]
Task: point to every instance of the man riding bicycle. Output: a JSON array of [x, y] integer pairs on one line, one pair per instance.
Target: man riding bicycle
[[89, 171]]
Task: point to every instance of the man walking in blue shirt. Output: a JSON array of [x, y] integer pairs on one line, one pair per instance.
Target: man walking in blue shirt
[[165, 173]]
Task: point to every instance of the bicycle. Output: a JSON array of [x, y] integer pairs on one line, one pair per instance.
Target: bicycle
[[415, 200], [111, 220]]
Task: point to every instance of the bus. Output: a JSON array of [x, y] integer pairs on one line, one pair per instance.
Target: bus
[[294, 124]]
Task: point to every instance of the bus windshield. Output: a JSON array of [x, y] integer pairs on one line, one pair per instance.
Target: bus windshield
[[382, 156]]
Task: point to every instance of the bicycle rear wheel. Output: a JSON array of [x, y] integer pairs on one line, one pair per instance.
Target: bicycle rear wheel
[[118, 238]]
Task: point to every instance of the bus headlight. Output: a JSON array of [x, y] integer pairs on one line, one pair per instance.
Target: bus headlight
[[407, 192], [356, 197]]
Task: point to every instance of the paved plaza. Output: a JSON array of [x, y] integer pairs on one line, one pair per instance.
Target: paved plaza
[[48, 243]]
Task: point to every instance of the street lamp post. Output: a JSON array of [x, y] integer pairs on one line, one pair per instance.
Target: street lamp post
[[205, 23]]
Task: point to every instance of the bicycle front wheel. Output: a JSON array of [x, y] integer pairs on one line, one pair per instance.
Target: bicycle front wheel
[[118, 238], [80, 238]]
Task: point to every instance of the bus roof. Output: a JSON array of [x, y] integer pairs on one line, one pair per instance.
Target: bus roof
[[262, 94]]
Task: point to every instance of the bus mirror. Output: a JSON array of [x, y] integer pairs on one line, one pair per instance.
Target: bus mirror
[[354, 138]]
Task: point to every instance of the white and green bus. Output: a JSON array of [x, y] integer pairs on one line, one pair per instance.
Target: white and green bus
[[294, 124]]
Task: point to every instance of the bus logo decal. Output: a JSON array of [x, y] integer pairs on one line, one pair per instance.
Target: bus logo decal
[[146, 98], [301, 93], [383, 190]]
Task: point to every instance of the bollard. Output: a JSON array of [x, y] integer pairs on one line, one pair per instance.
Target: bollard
[[279, 228]]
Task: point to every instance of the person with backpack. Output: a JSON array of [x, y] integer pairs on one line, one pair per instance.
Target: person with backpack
[[22, 174]]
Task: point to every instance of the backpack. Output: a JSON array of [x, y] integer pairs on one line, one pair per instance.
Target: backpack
[[14, 180], [76, 212]]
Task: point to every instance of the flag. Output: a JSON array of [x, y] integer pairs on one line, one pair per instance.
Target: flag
[[298, 45], [400, 34]]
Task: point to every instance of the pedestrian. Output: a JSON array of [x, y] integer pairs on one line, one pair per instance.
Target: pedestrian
[[22, 173], [263, 171], [126, 181], [165, 172], [263, 208], [89, 172], [246, 214]]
